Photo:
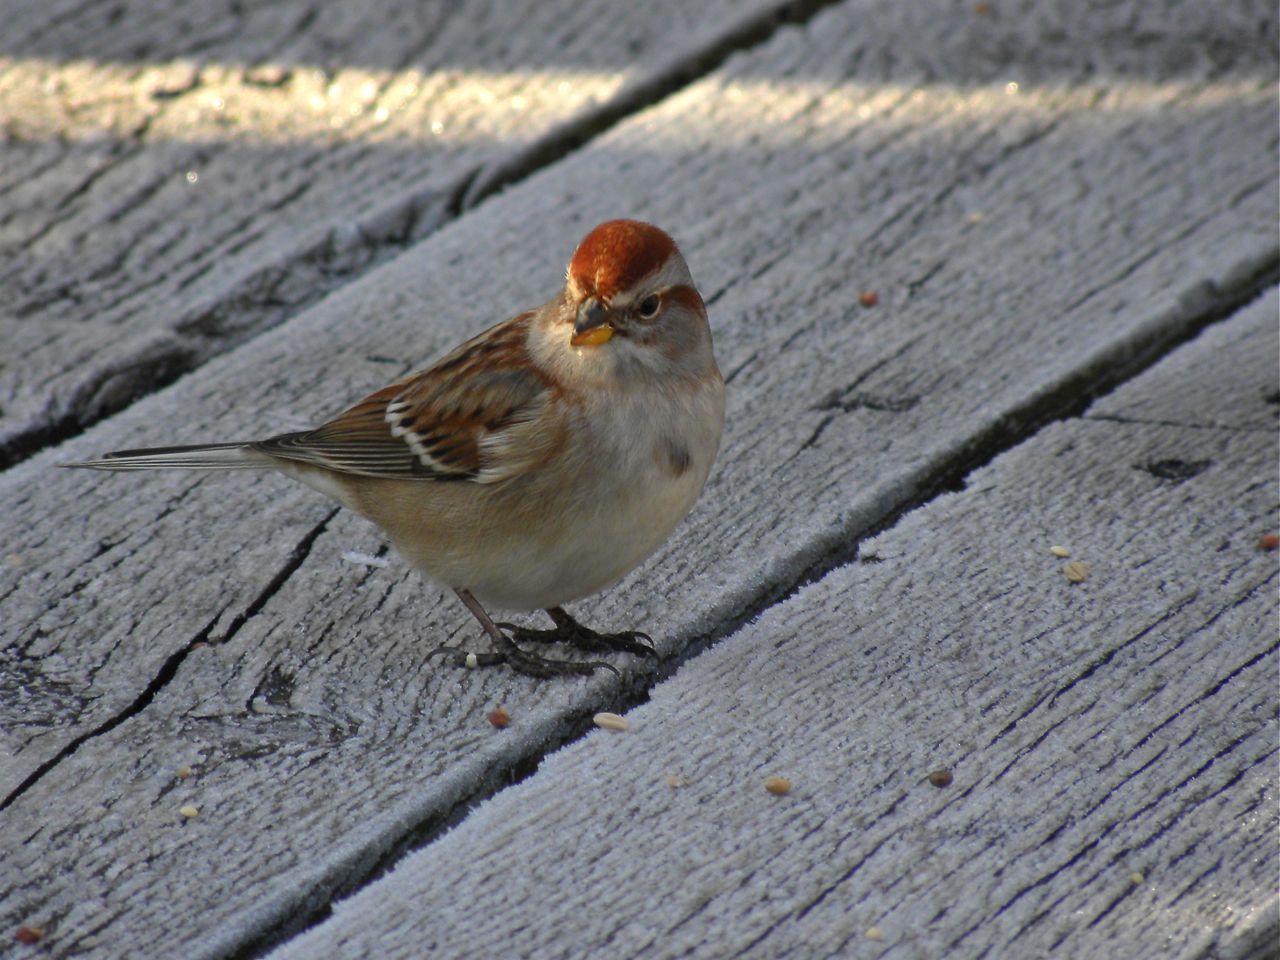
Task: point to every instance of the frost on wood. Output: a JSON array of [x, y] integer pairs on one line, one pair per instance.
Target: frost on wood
[[986, 760], [1021, 246]]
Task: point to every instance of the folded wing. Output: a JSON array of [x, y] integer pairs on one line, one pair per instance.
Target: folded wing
[[481, 414]]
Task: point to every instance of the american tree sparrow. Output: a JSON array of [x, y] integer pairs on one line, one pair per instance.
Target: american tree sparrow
[[537, 463]]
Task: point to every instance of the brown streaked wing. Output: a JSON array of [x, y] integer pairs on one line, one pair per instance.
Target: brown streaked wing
[[357, 441], [474, 415]]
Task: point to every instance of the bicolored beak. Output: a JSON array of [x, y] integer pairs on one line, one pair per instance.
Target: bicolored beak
[[591, 328]]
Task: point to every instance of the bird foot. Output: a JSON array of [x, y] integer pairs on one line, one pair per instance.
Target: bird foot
[[520, 661], [570, 631]]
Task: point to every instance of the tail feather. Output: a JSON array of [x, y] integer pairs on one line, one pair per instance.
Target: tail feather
[[208, 456]]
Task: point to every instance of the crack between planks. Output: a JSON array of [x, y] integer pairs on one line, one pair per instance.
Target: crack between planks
[[560, 142], [169, 669], [1067, 400], [385, 232]]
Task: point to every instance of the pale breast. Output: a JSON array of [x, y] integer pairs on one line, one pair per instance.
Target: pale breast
[[636, 493], [571, 529]]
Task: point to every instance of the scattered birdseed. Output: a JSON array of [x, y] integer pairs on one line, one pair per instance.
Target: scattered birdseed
[[28, 934], [778, 786], [499, 717], [1060, 551], [365, 559], [183, 772], [189, 811], [267, 75], [941, 778], [472, 661], [676, 780], [1269, 541], [868, 298], [611, 721], [873, 933], [982, 9], [1077, 571], [1136, 878]]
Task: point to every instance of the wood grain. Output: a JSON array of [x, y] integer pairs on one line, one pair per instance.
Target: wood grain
[[1111, 744], [173, 181], [1027, 246]]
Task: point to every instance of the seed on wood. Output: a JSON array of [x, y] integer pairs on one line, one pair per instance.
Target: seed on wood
[[941, 778], [189, 811], [610, 721], [1077, 571], [1269, 541], [1136, 878], [778, 786], [873, 933], [26, 934], [1060, 551], [266, 75], [868, 298], [499, 717], [676, 780], [183, 772]]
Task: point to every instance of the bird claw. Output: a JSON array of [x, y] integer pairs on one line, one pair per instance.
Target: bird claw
[[580, 637], [567, 629], [521, 662]]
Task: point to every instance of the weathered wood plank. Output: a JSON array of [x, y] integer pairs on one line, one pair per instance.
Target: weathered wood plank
[[1024, 247], [174, 180], [1112, 743]]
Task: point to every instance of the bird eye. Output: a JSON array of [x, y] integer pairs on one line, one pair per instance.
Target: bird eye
[[649, 306]]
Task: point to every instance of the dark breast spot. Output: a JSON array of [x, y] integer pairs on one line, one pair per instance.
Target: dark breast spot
[[676, 456]]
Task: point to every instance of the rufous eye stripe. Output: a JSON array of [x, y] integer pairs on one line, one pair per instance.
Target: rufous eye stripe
[[687, 296]]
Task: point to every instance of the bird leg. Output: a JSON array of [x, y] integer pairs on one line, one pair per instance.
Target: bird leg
[[507, 652], [570, 631]]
